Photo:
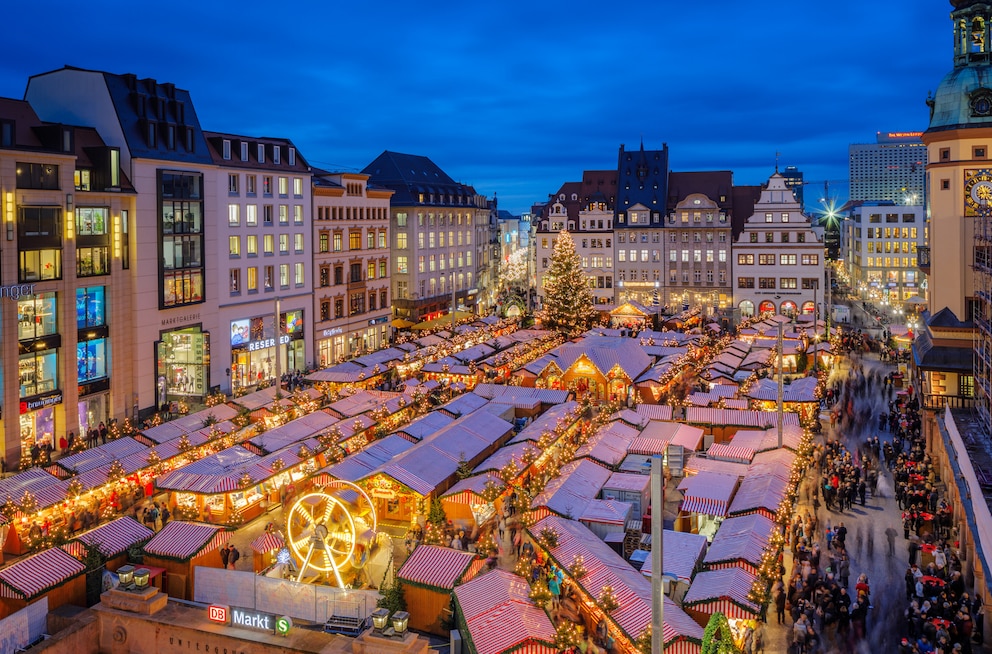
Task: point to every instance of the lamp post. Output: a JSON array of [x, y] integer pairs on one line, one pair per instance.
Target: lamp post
[[657, 559]]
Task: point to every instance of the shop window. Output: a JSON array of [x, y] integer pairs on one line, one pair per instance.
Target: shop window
[[37, 316], [38, 372], [91, 310], [181, 266], [37, 176], [91, 360]]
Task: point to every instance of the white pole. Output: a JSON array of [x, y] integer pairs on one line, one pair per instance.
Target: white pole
[[657, 564], [278, 351], [781, 384]]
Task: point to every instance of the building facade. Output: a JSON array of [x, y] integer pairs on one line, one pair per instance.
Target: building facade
[[67, 269], [435, 223], [639, 219], [881, 244], [263, 188], [778, 260], [585, 209], [351, 263], [892, 169]]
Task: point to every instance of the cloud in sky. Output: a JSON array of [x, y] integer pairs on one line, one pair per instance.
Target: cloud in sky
[[516, 98]]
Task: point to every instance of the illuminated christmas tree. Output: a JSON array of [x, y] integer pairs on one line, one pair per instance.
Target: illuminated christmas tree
[[568, 301]]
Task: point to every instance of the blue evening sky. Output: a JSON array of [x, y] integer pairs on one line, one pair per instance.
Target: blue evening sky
[[517, 97]]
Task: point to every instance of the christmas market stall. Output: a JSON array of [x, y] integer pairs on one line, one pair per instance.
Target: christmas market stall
[[607, 598], [23, 496], [422, 427], [740, 543], [571, 491], [548, 397], [496, 615], [705, 498], [724, 591], [401, 487], [363, 463], [600, 367], [51, 573], [722, 424], [730, 452], [682, 557], [633, 315], [179, 548], [608, 445], [113, 539], [631, 488], [265, 549], [429, 575], [760, 493], [764, 440], [607, 518], [470, 503], [801, 396]]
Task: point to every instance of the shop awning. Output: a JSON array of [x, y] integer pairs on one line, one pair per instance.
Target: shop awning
[[37, 574], [443, 321], [708, 493], [730, 452], [400, 323], [435, 567], [268, 542]]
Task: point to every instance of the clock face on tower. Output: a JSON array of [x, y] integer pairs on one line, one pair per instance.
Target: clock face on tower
[[978, 192]]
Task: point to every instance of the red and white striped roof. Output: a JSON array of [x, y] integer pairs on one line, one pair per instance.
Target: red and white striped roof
[[268, 542], [729, 417], [576, 485], [30, 577], [184, 540], [761, 440], [655, 411], [733, 403], [740, 539], [730, 452], [116, 537], [610, 512], [500, 616], [759, 491], [607, 568], [681, 555], [722, 590], [435, 566], [700, 464], [708, 493], [470, 489]]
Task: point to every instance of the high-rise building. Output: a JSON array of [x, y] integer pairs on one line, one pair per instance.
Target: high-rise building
[[436, 224], [891, 169], [794, 180], [880, 247]]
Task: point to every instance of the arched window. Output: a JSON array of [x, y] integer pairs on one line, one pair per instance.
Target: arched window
[[747, 308]]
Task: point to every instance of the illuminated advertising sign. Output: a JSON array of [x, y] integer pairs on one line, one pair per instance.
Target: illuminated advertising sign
[[240, 331], [218, 613]]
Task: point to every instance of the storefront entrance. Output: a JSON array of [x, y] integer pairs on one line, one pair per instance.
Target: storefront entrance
[[183, 357]]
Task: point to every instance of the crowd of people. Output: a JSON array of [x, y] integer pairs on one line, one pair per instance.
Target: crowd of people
[[828, 605]]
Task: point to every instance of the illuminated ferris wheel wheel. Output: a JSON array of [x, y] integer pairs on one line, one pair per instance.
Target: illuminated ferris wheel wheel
[[331, 530]]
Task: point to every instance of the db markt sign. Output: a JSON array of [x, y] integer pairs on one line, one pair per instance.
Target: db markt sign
[[249, 619], [219, 613]]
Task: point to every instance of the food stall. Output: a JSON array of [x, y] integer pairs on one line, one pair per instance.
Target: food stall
[[502, 598], [705, 498], [723, 591], [740, 543], [113, 539], [265, 549]]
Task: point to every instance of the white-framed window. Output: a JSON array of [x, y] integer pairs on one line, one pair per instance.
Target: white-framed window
[[226, 149], [292, 156], [297, 186], [251, 215], [298, 274], [244, 151], [298, 242], [276, 154], [261, 153], [233, 215]]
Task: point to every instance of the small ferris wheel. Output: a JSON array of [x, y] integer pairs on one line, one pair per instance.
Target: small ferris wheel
[[331, 529]]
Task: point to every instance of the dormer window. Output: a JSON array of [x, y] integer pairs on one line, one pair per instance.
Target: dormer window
[[261, 153], [292, 156], [276, 154], [226, 150], [244, 151], [66, 139], [115, 167]]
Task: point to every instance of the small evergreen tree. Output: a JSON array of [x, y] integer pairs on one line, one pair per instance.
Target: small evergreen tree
[[392, 598], [568, 301]]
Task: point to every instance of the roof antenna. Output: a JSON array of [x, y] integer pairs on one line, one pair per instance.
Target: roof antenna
[[777, 155]]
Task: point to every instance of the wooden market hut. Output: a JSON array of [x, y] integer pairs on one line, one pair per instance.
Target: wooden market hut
[[264, 550], [725, 591], [568, 494], [799, 396], [51, 573], [633, 315], [113, 539], [760, 493], [496, 615], [740, 543], [604, 567], [465, 504], [429, 576], [516, 395], [179, 548], [46, 488], [430, 467], [705, 499], [720, 425]]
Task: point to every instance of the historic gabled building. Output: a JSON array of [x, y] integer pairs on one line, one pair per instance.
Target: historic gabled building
[[778, 260], [67, 345], [351, 265], [435, 224], [639, 221]]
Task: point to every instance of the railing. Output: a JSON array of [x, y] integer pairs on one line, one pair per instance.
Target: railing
[[936, 402]]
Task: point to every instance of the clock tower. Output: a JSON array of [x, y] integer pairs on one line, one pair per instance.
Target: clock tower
[[948, 349]]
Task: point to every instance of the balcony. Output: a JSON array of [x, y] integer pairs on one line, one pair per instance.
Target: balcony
[[923, 259], [939, 402]]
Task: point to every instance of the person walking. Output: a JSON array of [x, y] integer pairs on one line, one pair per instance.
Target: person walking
[[233, 555], [225, 555]]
